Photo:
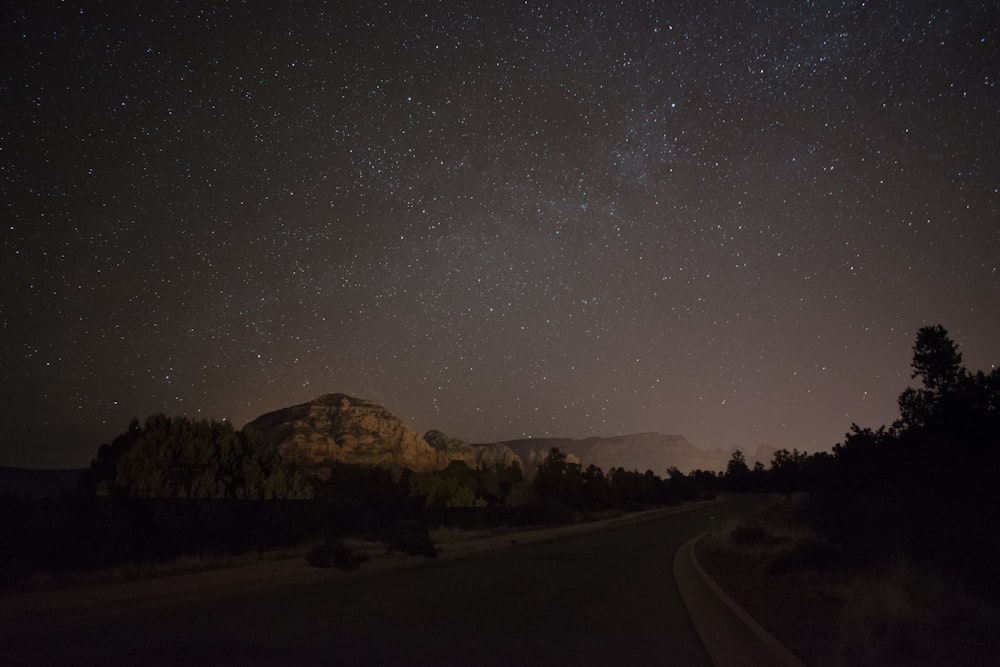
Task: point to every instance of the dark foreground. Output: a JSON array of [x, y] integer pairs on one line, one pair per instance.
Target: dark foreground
[[599, 598]]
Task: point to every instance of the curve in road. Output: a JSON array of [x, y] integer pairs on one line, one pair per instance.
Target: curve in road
[[597, 598]]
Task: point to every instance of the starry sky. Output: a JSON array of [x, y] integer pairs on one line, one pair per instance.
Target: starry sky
[[723, 220]]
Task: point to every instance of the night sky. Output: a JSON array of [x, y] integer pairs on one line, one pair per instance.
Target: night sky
[[724, 220]]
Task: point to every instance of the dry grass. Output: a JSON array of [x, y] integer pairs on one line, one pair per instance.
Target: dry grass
[[906, 614], [830, 612], [778, 538], [372, 548]]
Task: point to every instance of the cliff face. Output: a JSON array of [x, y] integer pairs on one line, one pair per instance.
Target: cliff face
[[638, 451], [336, 428]]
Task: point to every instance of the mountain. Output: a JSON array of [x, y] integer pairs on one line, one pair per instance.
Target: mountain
[[638, 451], [337, 428]]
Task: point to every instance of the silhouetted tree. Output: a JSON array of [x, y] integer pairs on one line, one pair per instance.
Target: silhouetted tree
[[737, 476], [737, 465], [681, 486], [936, 359], [938, 364], [787, 469], [596, 489], [706, 481], [558, 479]]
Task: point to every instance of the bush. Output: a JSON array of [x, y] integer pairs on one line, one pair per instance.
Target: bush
[[334, 553], [751, 535], [805, 554], [411, 538]]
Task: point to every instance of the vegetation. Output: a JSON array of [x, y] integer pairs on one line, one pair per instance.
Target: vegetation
[[559, 480], [335, 552], [925, 486], [410, 537], [458, 485], [180, 458], [897, 524]]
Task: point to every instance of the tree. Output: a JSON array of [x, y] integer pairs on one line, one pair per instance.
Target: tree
[[596, 488], [787, 468], [938, 364], [737, 476], [180, 458], [936, 359], [557, 478], [737, 466], [455, 486]]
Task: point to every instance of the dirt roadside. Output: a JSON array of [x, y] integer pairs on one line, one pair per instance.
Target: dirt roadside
[[800, 614]]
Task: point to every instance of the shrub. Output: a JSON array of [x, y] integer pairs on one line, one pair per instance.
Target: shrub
[[334, 553], [906, 614], [752, 535], [411, 538], [812, 553]]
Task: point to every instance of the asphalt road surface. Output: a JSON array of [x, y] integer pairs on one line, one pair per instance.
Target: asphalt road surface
[[605, 597]]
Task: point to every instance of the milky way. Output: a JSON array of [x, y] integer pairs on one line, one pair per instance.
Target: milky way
[[536, 219]]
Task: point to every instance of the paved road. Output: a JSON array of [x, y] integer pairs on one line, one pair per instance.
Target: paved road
[[601, 598]]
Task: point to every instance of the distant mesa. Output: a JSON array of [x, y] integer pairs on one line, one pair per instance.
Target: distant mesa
[[337, 428], [637, 451]]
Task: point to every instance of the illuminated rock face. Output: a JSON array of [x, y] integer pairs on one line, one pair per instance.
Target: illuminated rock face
[[336, 428]]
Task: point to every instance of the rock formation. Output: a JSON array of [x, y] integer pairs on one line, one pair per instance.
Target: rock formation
[[450, 449], [336, 428], [474, 456]]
